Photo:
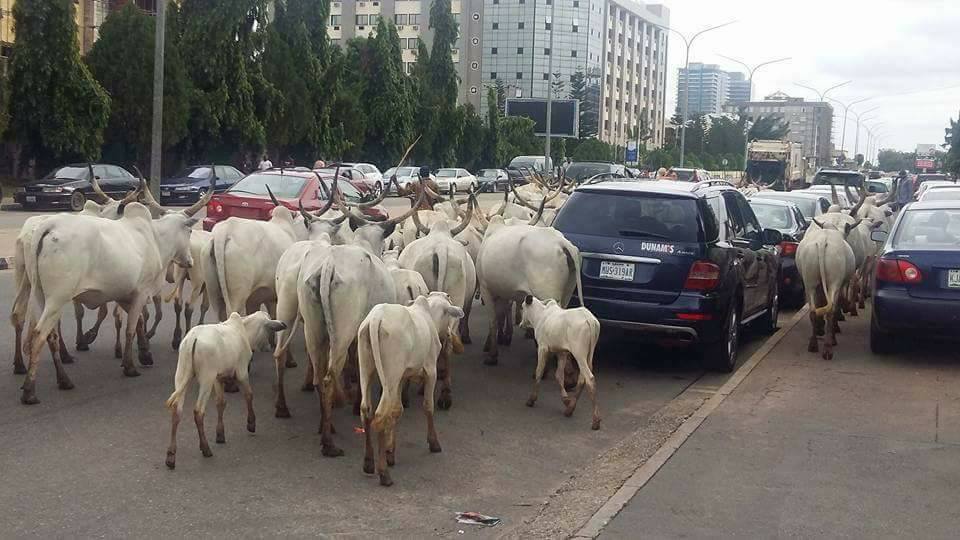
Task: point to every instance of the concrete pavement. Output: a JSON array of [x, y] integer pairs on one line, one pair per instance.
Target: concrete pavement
[[859, 447]]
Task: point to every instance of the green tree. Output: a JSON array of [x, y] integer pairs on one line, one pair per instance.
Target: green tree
[[501, 95], [951, 162], [4, 104], [769, 128], [470, 154], [387, 96], [581, 91], [892, 160], [593, 150], [60, 110], [725, 136], [421, 83], [122, 61], [224, 40], [517, 139], [440, 92], [493, 130]]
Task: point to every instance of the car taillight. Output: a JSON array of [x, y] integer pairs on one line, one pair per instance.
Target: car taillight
[[788, 249], [703, 276], [898, 271], [214, 207]]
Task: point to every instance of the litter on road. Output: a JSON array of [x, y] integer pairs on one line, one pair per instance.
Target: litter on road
[[475, 518]]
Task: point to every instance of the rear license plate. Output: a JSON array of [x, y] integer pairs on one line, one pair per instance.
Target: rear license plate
[[953, 279], [164, 193], [619, 271], [31, 198]]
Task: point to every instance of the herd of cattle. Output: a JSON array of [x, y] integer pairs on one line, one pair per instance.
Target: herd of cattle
[[384, 301]]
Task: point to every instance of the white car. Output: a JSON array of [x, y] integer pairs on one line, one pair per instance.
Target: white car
[[405, 175], [930, 184], [460, 178], [826, 192], [371, 175], [944, 192]]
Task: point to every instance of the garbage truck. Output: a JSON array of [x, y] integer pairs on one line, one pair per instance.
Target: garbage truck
[[776, 164]]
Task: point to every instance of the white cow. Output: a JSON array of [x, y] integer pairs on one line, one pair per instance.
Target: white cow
[[199, 239], [212, 353], [520, 260], [409, 283], [132, 254], [826, 263], [566, 333], [396, 343]]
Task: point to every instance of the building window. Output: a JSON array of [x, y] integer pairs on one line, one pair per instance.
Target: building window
[[573, 53], [362, 20], [414, 18], [496, 26], [520, 25], [496, 1], [519, 74], [335, 20], [576, 29], [374, 19], [547, 25], [546, 76], [400, 19], [576, 3], [546, 51], [493, 50], [519, 50], [493, 75]]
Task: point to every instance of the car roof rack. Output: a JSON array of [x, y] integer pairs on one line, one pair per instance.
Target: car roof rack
[[710, 183]]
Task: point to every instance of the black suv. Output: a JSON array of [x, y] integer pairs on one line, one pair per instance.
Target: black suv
[[679, 261]]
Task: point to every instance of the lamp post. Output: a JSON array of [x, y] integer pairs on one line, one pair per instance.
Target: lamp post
[[859, 117], [873, 133], [546, 146], [156, 142], [688, 42], [751, 71], [816, 123], [846, 107]]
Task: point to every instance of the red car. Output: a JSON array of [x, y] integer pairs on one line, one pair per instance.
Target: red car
[[248, 198]]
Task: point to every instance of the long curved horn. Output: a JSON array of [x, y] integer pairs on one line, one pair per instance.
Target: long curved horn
[[273, 197], [147, 195], [307, 218], [536, 218], [420, 226], [203, 201], [102, 197], [520, 199], [465, 221], [132, 196], [833, 194], [850, 197], [855, 209], [503, 207], [330, 195]]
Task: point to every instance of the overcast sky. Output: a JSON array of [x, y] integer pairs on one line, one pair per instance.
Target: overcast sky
[[905, 54]]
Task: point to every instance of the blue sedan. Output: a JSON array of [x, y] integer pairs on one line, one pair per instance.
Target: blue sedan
[[917, 281], [189, 185]]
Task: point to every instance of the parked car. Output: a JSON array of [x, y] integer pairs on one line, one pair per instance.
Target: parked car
[[930, 184], [583, 170], [249, 199], [877, 186], [950, 192], [787, 218], [69, 186], [493, 180], [356, 177], [460, 178], [405, 175], [827, 191], [839, 177], [371, 172], [677, 261], [812, 204], [191, 183], [691, 175], [931, 177], [917, 280], [537, 163]]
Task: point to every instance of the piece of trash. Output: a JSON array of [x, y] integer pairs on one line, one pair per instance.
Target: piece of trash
[[358, 430], [460, 531], [476, 518], [523, 504]]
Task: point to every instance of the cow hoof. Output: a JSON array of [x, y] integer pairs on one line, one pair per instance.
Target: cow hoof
[[531, 402], [252, 426], [307, 387], [813, 346], [291, 364], [435, 448], [221, 438], [65, 385], [491, 361], [596, 424], [19, 369], [385, 480], [568, 412], [368, 465], [29, 398], [171, 460], [841, 317], [282, 412], [827, 355], [330, 450], [118, 353], [444, 403], [82, 346], [206, 451], [130, 371], [146, 358], [66, 358]]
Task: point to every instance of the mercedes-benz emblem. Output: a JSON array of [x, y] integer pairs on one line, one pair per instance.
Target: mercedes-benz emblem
[[618, 248], [244, 203]]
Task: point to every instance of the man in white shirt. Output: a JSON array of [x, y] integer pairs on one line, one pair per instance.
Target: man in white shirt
[[266, 163]]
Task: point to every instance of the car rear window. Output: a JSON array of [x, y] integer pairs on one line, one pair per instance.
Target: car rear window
[[583, 171], [685, 176], [808, 206], [929, 229], [945, 194], [630, 216], [772, 216], [838, 178], [281, 185]]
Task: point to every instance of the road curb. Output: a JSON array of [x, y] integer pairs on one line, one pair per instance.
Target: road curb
[[594, 526], [6, 263]]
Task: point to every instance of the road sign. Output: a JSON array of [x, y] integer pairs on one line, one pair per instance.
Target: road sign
[[565, 113], [925, 164], [724, 162], [631, 152]]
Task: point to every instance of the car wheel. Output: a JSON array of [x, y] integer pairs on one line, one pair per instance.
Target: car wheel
[[77, 200], [722, 355], [768, 322], [378, 188], [880, 341]]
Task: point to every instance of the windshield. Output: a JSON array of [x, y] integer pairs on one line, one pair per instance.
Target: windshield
[[838, 178], [283, 186], [446, 173], [808, 205], [685, 175], [929, 230], [948, 194], [71, 172], [773, 216], [928, 177], [583, 171], [401, 171], [765, 172], [630, 216], [489, 173], [194, 172]]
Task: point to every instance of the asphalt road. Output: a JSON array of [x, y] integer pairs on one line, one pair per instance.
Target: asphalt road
[[89, 461]]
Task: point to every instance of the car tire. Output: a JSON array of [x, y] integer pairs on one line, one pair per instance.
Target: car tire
[[77, 200], [722, 355], [768, 322], [880, 341]]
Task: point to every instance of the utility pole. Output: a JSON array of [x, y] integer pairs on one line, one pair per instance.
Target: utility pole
[[751, 71], [156, 146], [816, 118], [688, 42], [546, 146], [846, 107], [856, 144]]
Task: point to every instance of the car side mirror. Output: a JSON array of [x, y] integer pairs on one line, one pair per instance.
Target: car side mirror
[[772, 237], [879, 236]]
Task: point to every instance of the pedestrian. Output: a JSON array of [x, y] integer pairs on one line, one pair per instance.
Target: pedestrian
[[661, 174], [672, 174], [265, 163], [904, 190], [319, 164]]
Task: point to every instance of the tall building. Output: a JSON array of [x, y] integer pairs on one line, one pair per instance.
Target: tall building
[[354, 18], [619, 45], [6, 32], [707, 84], [811, 122], [738, 88]]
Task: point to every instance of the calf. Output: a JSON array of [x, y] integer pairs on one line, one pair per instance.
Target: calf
[[396, 343], [214, 353], [565, 333]]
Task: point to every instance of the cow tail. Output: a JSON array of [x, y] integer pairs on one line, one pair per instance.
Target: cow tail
[[219, 255], [373, 328], [328, 277], [440, 259], [177, 291], [822, 256], [290, 333], [184, 373], [573, 263], [33, 263]]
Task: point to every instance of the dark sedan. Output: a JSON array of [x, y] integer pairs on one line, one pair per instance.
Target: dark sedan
[[787, 218], [191, 183], [69, 186], [917, 281]]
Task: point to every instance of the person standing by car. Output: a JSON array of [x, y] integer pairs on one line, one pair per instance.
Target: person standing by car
[[265, 163], [904, 190]]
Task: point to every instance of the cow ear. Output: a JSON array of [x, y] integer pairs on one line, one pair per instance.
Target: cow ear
[[454, 312], [528, 300]]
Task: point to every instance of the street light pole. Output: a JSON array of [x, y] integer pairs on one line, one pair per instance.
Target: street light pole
[[546, 146], [846, 107], [856, 144], [156, 143], [751, 71], [816, 114], [688, 42]]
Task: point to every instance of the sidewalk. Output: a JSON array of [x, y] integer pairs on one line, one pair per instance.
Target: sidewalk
[[859, 447]]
